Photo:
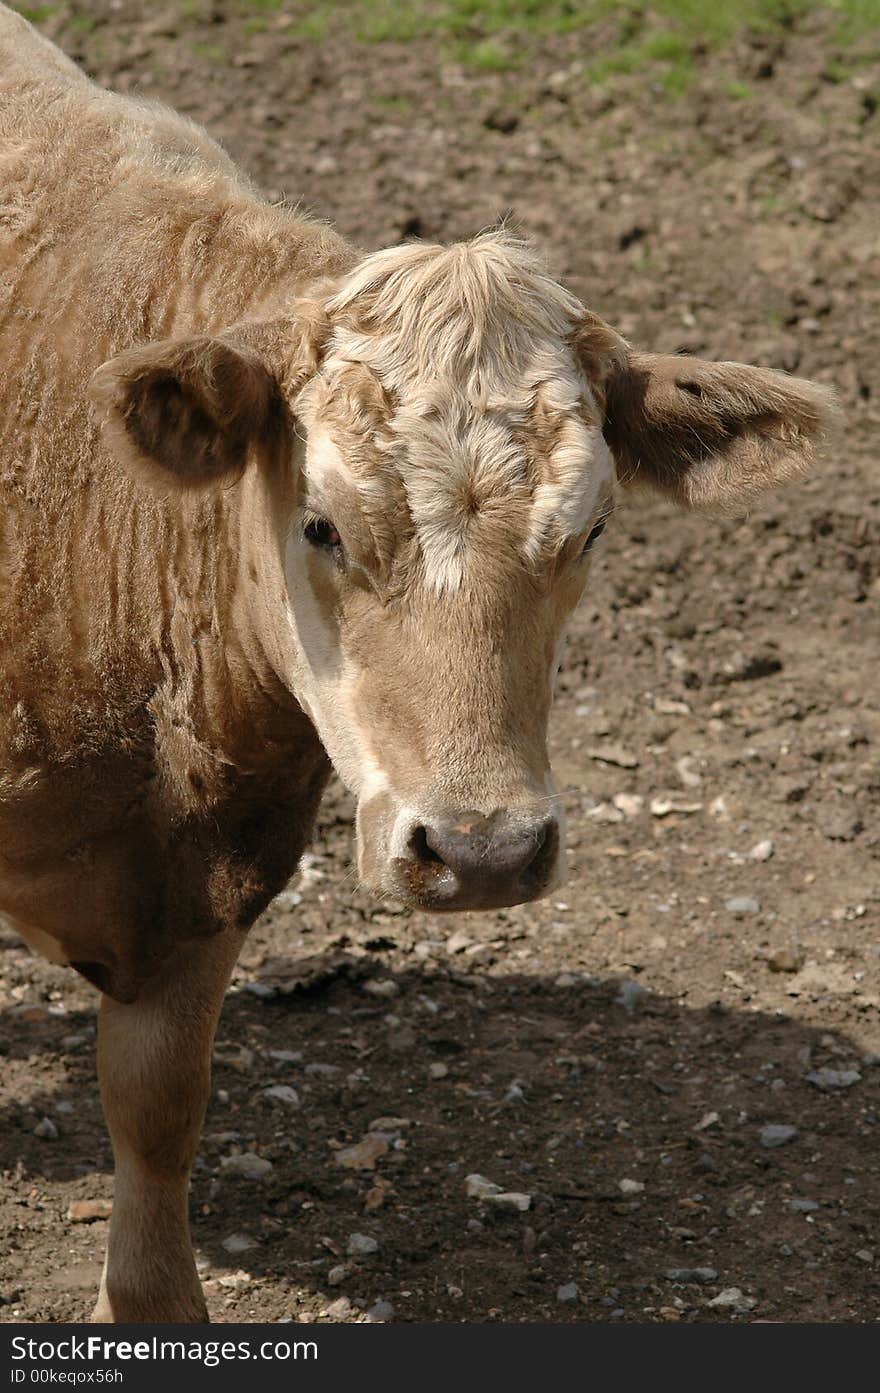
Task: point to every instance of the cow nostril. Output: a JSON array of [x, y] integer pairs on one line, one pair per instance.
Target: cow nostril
[[546, 848], [422, 849]]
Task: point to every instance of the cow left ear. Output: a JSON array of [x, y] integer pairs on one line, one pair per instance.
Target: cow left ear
[[713, 435], [182, 413]]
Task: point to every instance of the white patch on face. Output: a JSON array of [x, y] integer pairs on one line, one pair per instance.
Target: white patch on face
[[320, 677], [583, 465], [324, 461], [460, 456]]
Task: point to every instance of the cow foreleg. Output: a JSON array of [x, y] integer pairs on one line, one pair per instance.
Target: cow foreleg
[[154, 1060]]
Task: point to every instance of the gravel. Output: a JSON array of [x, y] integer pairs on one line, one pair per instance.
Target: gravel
[[361, 1245], [732, 1299], [381, 1310], [247, 1165], [690, 1275], [831, 1080], [777, 1134], [283, 1093]]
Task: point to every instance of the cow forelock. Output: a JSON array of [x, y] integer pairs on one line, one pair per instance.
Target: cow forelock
[[452, 424]]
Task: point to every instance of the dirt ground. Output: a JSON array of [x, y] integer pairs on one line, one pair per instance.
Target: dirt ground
[[712, 967]]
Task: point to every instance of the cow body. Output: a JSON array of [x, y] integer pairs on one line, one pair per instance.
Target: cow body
[[263, 502], [157, 780]]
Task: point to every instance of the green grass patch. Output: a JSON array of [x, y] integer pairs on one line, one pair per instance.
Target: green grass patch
[[662, 40], [37, 14], [740, 91], [213, 52]]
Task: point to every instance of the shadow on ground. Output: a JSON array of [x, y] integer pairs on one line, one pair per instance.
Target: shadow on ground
[[634, 1125]]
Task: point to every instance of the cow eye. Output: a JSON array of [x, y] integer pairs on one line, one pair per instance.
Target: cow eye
[[595, 534], [322, 533]]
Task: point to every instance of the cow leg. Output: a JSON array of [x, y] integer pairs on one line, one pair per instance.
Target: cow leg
[[154, 1067]]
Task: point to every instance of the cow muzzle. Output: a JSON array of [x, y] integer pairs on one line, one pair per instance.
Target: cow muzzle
[[470, 860]]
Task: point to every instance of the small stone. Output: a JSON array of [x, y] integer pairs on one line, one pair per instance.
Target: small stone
[[510, 1199], [477, 1187], [287, 900], [840, 827], [340, 1309], [831, 1080], [803, 1206], [604, 814], [742, 904], [377, 1195], [707, 1121], [239, 1243], [438, 1070], [283, 1093], [613, 754], [865, 1255], [88, 1211], [390, 1123], [663, 807], [30, 1012], [733, 1299], [689, 776], [777, 1134], [46, 1129], [630, 1187], [691, 1275], [569, 1292], [74, 1042], [286, 1056], [380, 1310], [630, 995], [361, 1245], [237, 1057], [337, 1274], [247, 1165], [263, 990], [321, 1071], [630, 804], [762, 851], [364, 1154], [458, 942], [383, 987], [786, 960]]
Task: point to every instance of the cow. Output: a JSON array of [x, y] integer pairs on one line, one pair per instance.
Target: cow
[[269, 505]]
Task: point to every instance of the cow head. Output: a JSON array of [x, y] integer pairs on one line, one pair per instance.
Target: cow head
[[453, 425]]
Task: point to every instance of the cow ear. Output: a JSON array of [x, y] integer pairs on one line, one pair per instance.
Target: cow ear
[[182, 413], [712, 435]]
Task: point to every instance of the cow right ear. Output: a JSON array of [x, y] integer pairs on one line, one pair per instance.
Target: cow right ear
[[184, 413]]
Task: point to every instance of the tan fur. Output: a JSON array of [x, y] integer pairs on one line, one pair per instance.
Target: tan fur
[[191, 380]]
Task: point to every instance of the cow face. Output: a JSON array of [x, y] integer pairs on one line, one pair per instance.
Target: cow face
[[458, 429]]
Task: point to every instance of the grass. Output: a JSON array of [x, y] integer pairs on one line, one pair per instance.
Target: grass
[[662, 39]]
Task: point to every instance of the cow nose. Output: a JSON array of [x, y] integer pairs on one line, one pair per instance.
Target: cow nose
[[473, 861]]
